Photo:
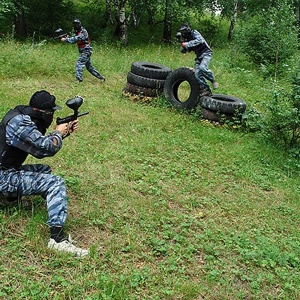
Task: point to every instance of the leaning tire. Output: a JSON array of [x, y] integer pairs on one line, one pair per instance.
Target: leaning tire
[[223, 103], [141, 91], [144, 81], [172, 84], [150, 70]]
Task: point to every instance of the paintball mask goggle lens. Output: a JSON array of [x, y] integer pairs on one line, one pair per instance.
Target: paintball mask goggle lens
[[185, 33], [48, 112]]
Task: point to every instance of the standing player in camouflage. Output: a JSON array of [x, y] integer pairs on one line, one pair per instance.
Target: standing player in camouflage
[[81, 37], [194, 41], [23, 132]]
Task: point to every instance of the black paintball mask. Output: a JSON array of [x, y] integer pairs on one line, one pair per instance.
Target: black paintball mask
[[76, 25], [185, 30], [43, 106]]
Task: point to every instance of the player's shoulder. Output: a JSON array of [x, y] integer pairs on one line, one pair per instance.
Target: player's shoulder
[[20, 119], [83, 30]]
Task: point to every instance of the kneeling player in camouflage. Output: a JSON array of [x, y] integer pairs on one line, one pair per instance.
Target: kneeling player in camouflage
[[23, 132]]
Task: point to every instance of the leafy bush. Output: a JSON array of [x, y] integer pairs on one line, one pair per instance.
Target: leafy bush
[[281, 121], [270, 39], [252, 120], [210, 28]]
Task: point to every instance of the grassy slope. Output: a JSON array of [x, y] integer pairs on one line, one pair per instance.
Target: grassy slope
[[172, 207]]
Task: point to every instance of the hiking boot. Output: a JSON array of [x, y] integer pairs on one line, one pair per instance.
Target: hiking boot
[[205, 93], [215, 85], [67, 246], [3, 201], [102, 78]]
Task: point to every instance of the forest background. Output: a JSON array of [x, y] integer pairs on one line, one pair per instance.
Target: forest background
[[171, 206]]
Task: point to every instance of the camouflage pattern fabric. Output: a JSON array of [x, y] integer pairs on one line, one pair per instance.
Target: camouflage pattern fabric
[[37, 180], [202, 71], [84, 60]]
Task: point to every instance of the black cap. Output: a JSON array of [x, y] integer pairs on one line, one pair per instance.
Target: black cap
[[43, 100]]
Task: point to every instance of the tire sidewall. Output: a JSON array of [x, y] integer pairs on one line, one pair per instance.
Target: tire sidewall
[[172, 83], [223, 103], [150, 70], [145, 82], [141, 91]]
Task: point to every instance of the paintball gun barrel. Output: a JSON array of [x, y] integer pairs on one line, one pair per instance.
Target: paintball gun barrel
[[180, 40], [179, 37], [60, 34], [74, 104]]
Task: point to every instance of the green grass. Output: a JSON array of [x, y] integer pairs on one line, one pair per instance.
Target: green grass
[[171, 207]]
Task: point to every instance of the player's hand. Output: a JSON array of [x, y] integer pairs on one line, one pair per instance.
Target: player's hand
[[67, 128], [73, 126], [183, 45], [62, 128]]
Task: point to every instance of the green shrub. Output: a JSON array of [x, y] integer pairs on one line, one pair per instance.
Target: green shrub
[[270, 38], [281, 120]]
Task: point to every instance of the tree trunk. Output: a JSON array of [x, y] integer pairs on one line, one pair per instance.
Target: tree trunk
[[20, 24], [168, 22], [233, 20], [121, 30], [108, 15], [134, 19], [151, 12]]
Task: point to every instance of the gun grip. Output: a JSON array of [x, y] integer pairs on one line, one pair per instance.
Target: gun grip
[[58, 121]]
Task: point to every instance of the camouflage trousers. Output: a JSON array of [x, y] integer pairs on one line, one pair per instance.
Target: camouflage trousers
[[84, 60], [202, 70], [37, 180]]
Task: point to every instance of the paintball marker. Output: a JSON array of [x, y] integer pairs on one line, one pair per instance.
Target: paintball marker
[[74, 104], [180, 40], [60, 34]]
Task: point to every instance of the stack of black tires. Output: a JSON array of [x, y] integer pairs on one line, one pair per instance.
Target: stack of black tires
[[215, 107], [146, 80]]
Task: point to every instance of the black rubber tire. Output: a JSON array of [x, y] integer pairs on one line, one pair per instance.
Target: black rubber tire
[[141, 91], [214, 115], [223, 104], [145, 82], [172, 83], [137, 98], [150, 70]]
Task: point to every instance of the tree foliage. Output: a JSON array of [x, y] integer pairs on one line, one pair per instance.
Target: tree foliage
[[35, 17], [270, 39], [41, 17], [5, 7]]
